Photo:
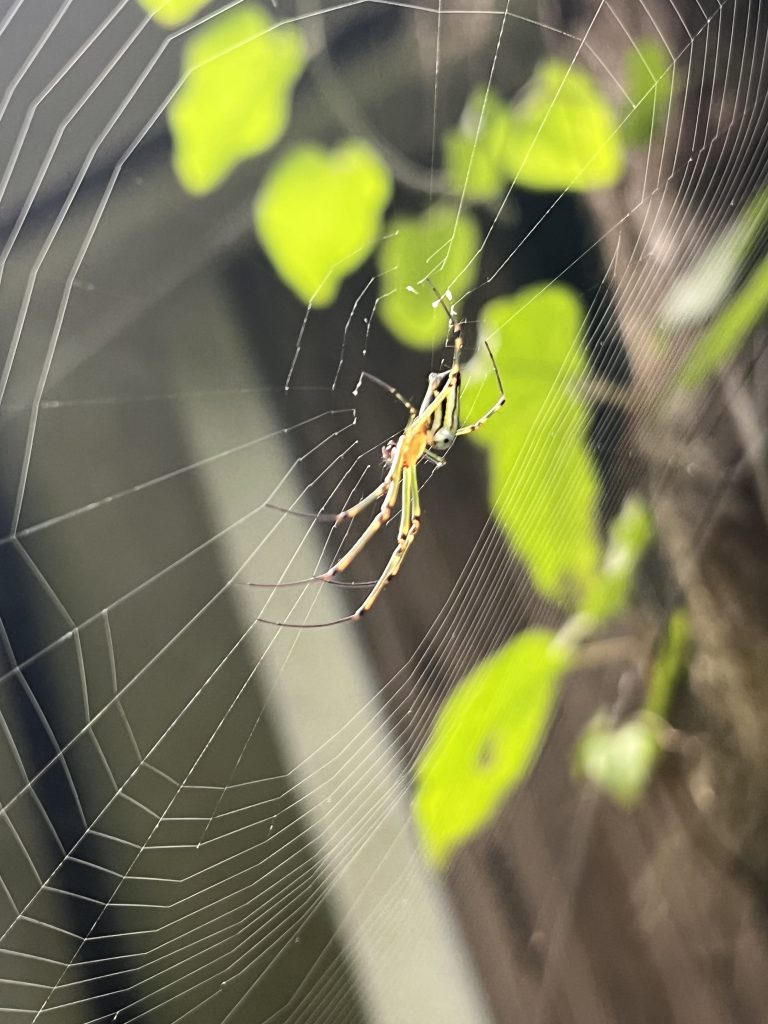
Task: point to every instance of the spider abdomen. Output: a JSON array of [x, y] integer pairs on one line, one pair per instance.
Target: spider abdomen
[[414, 447]]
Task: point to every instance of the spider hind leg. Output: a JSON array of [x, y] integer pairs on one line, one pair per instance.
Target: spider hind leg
[[409, 526]]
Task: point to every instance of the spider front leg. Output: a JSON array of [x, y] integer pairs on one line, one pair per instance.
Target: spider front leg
[[393, 391], [483, 419], [499, 404]]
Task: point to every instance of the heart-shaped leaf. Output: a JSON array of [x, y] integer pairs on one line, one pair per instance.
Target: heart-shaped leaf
[[235, 100], [438, 244], [474, 159], [543, 483], [319, 215], [563, 133], [485, 739]]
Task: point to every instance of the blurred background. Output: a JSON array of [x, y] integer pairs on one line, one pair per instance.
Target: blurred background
[[532, 784]]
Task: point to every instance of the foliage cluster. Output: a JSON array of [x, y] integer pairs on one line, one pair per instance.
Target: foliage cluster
[[320, 213]]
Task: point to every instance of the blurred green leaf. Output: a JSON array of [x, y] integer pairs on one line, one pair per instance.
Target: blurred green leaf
[[172, 12], [319, 215], [543, 483], [619, 761], [563, 133], [728, 332], [701, 291], [648, 79], [476, 160], [669, 664], [434, 243], [485, 739], [629, 535], [235, 100]]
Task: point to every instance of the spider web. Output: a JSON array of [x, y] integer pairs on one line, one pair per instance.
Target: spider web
[[205, 818]]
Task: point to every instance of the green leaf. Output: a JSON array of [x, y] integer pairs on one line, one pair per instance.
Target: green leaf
[[728, 332], [485, 739], [235, 100], [649, 70], [669, 664], [629, 535], [543, 483], [701, 291], [172, 12], [474, 161], [319, 215], [619, 761], [434, 243], [563, 133]]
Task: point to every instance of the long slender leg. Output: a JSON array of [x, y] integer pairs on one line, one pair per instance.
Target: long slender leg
[[483, 419], [415, 499], [396, 474], [375, 524], [458, 344], [354, 510], [338, 517], [393, 391], [458, 338], [390, 485], [495, 367], [409, 527], [495, 408]]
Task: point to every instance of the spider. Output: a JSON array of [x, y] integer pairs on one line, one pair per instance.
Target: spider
[[429, 434]]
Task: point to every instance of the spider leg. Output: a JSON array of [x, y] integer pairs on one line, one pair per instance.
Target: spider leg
[[415, 500], [458, 344], [393, 481], [346, 513], [406, 505], [494, 408], [437, 459], [447, 310], [495, 368], [394, 478], [405, 539], [306, 580], [483, 419], [393, 391], [409, 527]]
